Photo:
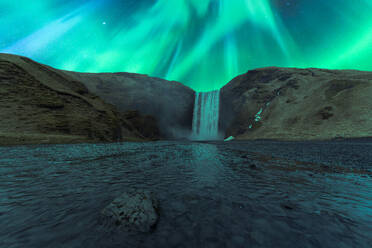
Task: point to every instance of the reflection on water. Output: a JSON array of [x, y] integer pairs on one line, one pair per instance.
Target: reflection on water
[[206, 165], [211, 194]]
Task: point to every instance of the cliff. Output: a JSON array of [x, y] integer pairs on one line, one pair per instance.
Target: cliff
[[39, 104], [297, 104], [169, 102]]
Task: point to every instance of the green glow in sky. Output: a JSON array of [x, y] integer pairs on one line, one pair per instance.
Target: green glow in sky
[[202, 44]]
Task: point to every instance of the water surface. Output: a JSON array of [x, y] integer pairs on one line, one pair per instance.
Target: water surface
[[237, 194]]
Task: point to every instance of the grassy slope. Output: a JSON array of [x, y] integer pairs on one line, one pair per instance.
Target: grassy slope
[[39, 104], [304, 104]]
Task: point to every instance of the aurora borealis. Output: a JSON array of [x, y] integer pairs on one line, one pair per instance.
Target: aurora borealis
[[201, 43]]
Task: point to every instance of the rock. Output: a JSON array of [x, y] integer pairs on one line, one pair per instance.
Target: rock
[[288, 205], [146, 125], [135, 210], [297, 104], [39, 104], [253, 166], [169, 102]]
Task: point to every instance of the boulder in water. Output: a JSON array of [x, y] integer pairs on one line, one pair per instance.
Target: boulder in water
[[134, 210]]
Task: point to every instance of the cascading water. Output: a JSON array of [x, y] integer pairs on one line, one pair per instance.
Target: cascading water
[[205, 119]]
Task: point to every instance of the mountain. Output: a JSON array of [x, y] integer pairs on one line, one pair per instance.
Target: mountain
[[170, 103], [39, 104], [297, 104]]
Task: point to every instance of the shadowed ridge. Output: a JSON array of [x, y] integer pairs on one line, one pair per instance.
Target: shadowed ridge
[[40, 104], [170, 103]]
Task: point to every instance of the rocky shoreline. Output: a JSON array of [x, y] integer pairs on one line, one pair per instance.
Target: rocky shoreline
[[216, 194]]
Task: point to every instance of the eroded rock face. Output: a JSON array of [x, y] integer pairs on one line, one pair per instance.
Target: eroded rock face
[[146, 125], [39, 104], [170, 103], [297, 104], [134, 210]]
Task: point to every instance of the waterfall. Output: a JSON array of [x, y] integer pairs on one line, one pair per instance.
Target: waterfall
[[205, 118]]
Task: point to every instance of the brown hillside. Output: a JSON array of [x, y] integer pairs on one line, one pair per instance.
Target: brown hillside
[[298, 104], [39, 104]]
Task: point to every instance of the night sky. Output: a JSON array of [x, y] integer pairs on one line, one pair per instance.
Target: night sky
[[201, 43]]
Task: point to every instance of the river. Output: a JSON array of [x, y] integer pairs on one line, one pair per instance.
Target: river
[[211, 194]]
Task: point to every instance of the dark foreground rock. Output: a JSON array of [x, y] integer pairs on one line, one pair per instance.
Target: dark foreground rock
[[135, 210], [297, 104]]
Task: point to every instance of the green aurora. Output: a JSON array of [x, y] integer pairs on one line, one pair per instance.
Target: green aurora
[[201, 43]]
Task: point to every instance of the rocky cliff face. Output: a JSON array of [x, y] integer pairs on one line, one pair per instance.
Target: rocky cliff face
[[297, 104], [39, 104], [170, 103]]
